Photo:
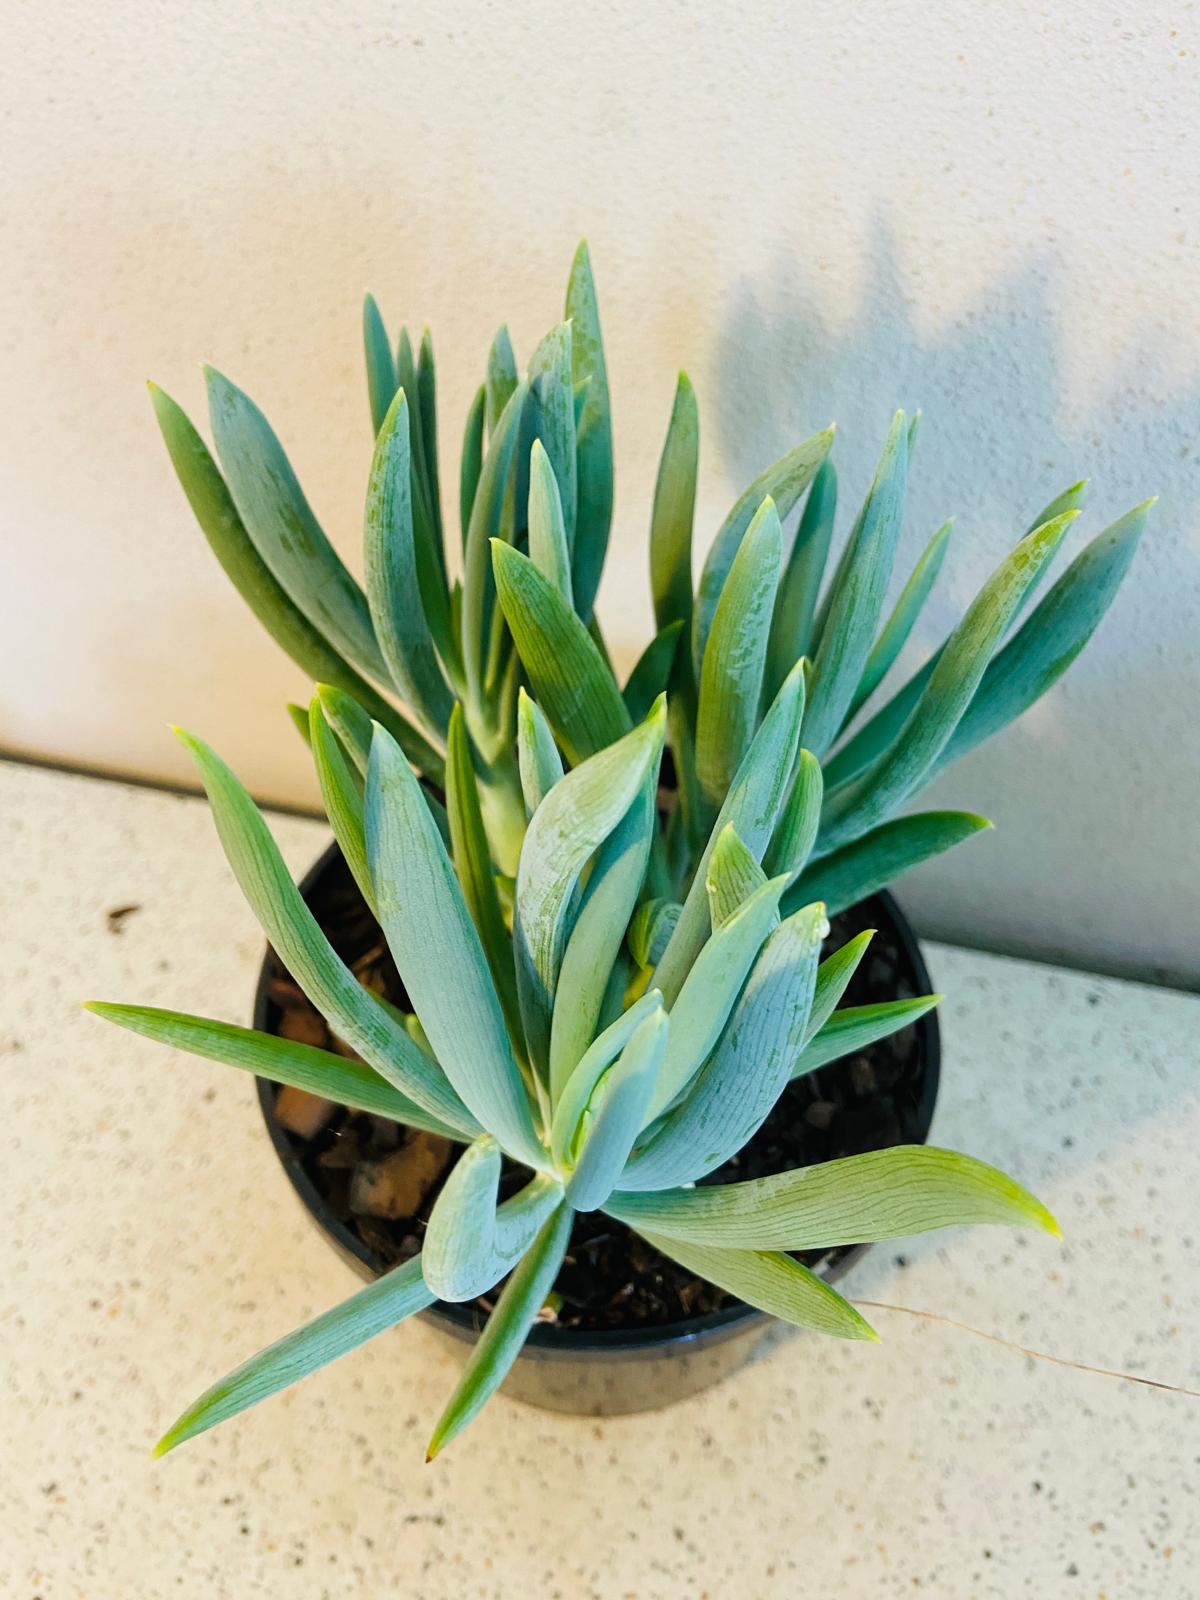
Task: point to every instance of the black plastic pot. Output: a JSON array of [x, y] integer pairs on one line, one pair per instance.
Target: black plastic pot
[[606, 1372]]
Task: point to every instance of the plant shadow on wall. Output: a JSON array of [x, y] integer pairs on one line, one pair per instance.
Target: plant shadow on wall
[[1003, 429]]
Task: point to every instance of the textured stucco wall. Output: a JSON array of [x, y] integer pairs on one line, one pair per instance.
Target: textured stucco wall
[[820, 211]]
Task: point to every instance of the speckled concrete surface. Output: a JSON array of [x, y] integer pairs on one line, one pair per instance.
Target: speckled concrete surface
[[150, 1241]]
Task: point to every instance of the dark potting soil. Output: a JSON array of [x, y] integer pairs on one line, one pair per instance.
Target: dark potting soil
[[381, 1181]]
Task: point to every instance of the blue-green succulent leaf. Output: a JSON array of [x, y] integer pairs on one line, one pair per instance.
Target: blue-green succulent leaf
[[438, 953], [470, 1243], [770, 1281], [214, 510], [1037, 656], [284, 529], [354, 1014], [855, 1027], [343, 1079], [476, 875], [875, 859], [395, 584], [746, 1073], [471, 463], [884, 1194], [506, 1330], [615, 881], [538, 758], [731, 675], [341, 796], [550, 379], [674, 511], [614, 1114], [381, 369], [593, 445], [651, 674], [574, 687], [548, 548], [894, 634], [752, 805], [708, 995], [907, 764], [858, 595], [389, 1300], [796, 602], [566, 830], [796, 832], [784, 482]]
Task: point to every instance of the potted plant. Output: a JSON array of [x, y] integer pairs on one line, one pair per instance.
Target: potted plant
[[544, 1019]]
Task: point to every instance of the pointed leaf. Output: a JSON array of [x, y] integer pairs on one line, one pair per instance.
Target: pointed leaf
[[437, 951], [573, 686], [895, 631], [394, 586], [574, 1095], [855, 1027], [298, 715], [593, 445], [427, 408], [699, 1015], [595, 940], [285, 532], [501, 378], [731, 677], [796, 832], [752, 805], [548, 548], [796, 602], [772, 1282], [352, 1011], [732, 876], [884, 1194], [875, 736], [335, 1077], [384, 1303], [652, 671], [735, 1092], [833, 978], [674, 510], [221, 525], [571, 823], [1053, 636], [471, 464], [499, 1345], [476, 876], [784, 482], [381, 369], [614, 1114], [425, 525], [352, 723], [550, 379], [540, 763], [875, 859], [903, 768], [857, 599], [342, 799], [486, 517]]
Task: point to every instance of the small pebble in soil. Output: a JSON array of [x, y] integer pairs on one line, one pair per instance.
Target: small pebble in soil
[[397, 1186]]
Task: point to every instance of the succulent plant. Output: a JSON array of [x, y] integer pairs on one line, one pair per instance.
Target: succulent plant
[[612, 983]]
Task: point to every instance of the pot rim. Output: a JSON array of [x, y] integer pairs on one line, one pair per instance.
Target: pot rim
[[546, 1340]]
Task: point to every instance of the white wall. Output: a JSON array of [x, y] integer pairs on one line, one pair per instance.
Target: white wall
[[821, 210]]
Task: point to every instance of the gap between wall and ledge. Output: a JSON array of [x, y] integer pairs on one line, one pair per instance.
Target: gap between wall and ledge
[[1161, 977]]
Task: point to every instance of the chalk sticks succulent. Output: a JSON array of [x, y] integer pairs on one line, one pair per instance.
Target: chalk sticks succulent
[[612, 982]]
